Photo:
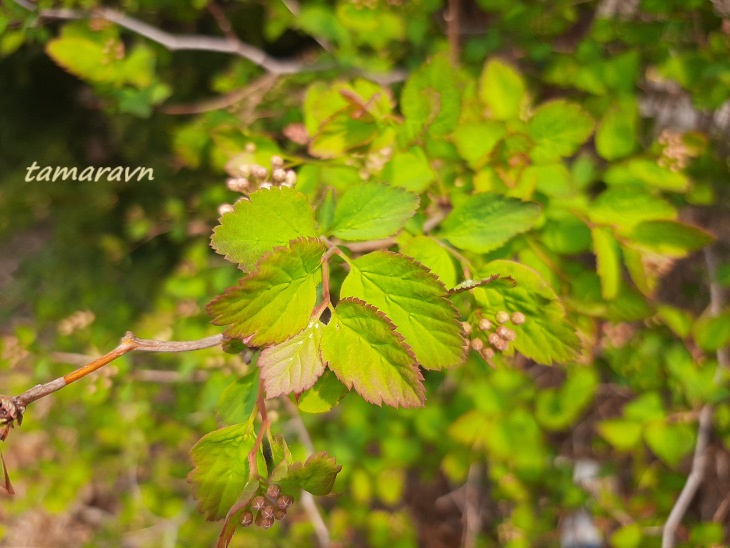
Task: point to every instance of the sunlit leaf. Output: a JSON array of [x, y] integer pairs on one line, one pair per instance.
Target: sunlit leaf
[[414, 299], [502, 89], [372, 211], [363, 349], [293, 365], [276, 300], [558, 129]]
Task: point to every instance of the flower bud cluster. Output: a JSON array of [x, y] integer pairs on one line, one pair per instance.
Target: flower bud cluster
[[247, 178], [268, 506], [488, 337]]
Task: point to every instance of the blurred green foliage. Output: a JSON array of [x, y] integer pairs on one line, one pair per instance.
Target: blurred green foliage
[[608, 120]]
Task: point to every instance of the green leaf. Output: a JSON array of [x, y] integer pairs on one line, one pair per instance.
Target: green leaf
[[316, 475], [624, 208], [628, 536], [276, 300], [502, 89], [669, 238], [433, 256], [608, 258], [324, 395], [616, 133], [414, 299], [468, 285], [233, 517], [648, 172], [294, 365], [237, 402], [475, 141], [409, 170], [431, 98], [620, 433], [712, 332], [485, 222], [341, 134], [669, 442], [546, 336], [270, 219], [645, 408], [558, 129], [373, 211], [220, 468], [363, 349]]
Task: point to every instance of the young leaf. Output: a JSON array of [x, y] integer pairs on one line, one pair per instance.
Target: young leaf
[[433, 256], [502, 89], [316, 475], [373, 211], [238, 400], [271, 218], [414, 299], [233, 517], [409, 170], [545, 336], [626, 207], [608, 259], [276, 300], [475, 141], [221, 469], [616, 134], [484, 222], [670, 238], [468, 285], [295, 364], [364, 350], [558, 129], [324, 395], [431, 98]]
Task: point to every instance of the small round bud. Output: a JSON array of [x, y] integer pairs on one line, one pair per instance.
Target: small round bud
[[250, 147], [224, 208], [284, 501], [501, 345], [247, 518], [267, 522], [487, 353], [291, 178], [265, 185], [267, 511], [494, 339], [260, 172], [477, 344], [518, 318], [237, 184], [506, 333], [258, 503], [273, 491], [277, 162], [485, 324], [466, 326], [279, 514], [278, 175], [259, 519], [502, 316]]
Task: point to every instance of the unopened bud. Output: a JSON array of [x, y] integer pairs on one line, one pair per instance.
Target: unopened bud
[[487, 353], [260, 172], [277, 162], [267, 511], [258, 503], [273, 491], [237, 184], [494, 339], [265, 186], [485, 324], [284, 501], [506, 333], [466, 326], [518, 318], [291, 178], [267, 522], [247, 519], [477, 344], [502, 316], [278, 175], [224, 208], [279, 514], [250, 147]]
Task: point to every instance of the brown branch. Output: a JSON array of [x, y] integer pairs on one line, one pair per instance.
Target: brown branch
[[704, 428], [186, 42], [12, 409], [452, 30]]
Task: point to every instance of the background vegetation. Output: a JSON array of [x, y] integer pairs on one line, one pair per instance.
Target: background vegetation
[[612, 115]]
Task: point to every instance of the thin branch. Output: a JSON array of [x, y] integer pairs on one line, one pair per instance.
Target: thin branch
[[12, 409], [471, 515], [699, 459], [185, 42], [308, 502], [452, 30]]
